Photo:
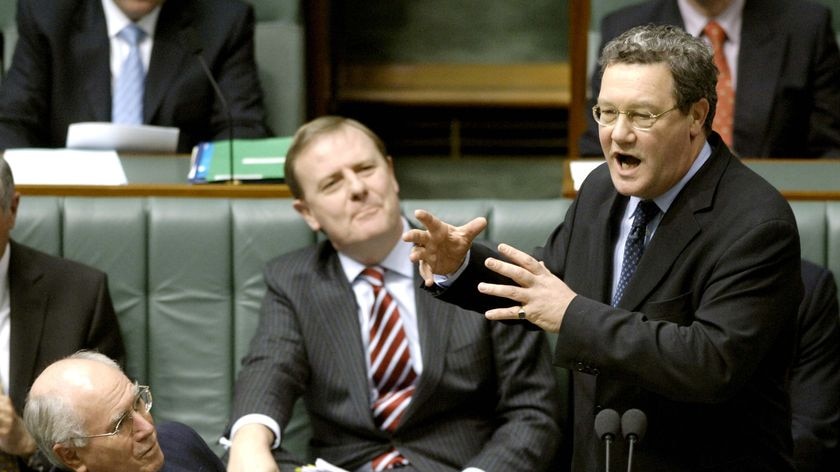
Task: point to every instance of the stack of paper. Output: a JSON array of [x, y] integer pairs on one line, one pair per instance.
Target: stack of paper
[[34, 166]]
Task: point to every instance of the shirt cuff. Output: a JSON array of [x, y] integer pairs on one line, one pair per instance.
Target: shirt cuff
[[447, 280], [254, 418]]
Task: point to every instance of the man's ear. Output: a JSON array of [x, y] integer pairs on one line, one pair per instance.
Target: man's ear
[[699, 111], [301, 207], [69, 457]]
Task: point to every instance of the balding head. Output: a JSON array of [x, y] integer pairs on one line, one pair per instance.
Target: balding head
[[75, 406]]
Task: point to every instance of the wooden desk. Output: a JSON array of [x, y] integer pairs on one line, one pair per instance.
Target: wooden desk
[[161, 190], [160, 175], [796, 179]]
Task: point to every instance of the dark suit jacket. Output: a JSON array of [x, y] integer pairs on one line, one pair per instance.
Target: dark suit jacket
[[815, 376], [787, 101], [57, 308], [183, 450], [487, 396], [61, 73], [703, 336]]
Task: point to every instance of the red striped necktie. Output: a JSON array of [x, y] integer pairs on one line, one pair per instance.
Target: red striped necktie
[[391, 371]]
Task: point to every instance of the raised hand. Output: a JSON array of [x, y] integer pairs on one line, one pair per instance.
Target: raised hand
[[441, 248], [543, 298]]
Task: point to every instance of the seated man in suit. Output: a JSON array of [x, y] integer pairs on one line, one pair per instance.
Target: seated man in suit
[[390, 376], [49, 308], [86, 415], [74, 58], [815, 375], [783, 68]]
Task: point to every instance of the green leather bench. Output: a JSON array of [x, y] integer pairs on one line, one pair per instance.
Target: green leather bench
[[186, 276]]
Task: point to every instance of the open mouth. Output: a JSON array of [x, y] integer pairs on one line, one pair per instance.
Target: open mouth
[[626, 161]]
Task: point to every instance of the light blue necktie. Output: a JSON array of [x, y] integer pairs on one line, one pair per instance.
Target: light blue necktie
[[127, 104], [635, 245]]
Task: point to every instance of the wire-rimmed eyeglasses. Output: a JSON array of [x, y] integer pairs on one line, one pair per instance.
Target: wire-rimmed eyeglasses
[[142, 403], [608, 116]]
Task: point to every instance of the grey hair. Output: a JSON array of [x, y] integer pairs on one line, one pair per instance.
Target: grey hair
[[690, 60], [307, 134], [7, 185], [50, 417]]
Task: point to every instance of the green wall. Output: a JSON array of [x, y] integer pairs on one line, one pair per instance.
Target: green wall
[[474, 31]]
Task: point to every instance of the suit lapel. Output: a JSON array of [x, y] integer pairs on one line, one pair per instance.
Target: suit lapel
[[90, 40], [434, 319], [677, 228], [754, 98], [336, 303], [168, 57], [27, 311], [610, 212]]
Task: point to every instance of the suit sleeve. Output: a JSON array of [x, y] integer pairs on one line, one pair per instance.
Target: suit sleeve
[[275, 370], [529, 403], [236, 73], [25, 90]]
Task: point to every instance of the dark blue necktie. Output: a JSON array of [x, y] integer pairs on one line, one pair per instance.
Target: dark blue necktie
[[635, 245], [127, 104]]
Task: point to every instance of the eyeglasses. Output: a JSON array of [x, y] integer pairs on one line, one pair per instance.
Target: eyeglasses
[[142, 403], [608, 116]]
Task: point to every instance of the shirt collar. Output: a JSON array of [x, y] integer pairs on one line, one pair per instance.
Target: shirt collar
[[116, 20], [396, 261]]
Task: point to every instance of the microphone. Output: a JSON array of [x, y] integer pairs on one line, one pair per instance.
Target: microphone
[[193, 45], [607, 426], [634, 425]]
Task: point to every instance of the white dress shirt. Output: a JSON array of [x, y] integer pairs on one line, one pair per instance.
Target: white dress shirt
[[5, 320]]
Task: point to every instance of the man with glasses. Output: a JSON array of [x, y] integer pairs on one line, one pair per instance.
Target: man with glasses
[[672, 284], [86, 415], [779, 88]]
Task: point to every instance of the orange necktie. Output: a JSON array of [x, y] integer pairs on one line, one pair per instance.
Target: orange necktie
[[726, 94]]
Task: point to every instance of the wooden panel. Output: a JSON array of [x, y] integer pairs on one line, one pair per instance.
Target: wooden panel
[[516, 85], [160, 190]]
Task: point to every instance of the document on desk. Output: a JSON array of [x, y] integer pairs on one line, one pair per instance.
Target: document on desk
[[122, 137], [34, 166]]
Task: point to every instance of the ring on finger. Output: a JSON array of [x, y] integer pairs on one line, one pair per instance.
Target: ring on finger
[[521, 313]]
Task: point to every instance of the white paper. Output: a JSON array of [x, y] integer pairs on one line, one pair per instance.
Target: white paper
[[321, 466], [581, 169], [32, 166], [121, 137]]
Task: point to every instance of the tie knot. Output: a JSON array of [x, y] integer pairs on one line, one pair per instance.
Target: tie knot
[[645, 211], [374, 276], [132, 34], [715, 33]]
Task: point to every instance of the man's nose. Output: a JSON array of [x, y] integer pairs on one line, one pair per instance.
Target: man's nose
[[621, 129], [355, 184], [144, 425]]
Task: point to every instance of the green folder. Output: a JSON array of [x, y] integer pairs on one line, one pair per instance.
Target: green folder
[[254, 160]]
